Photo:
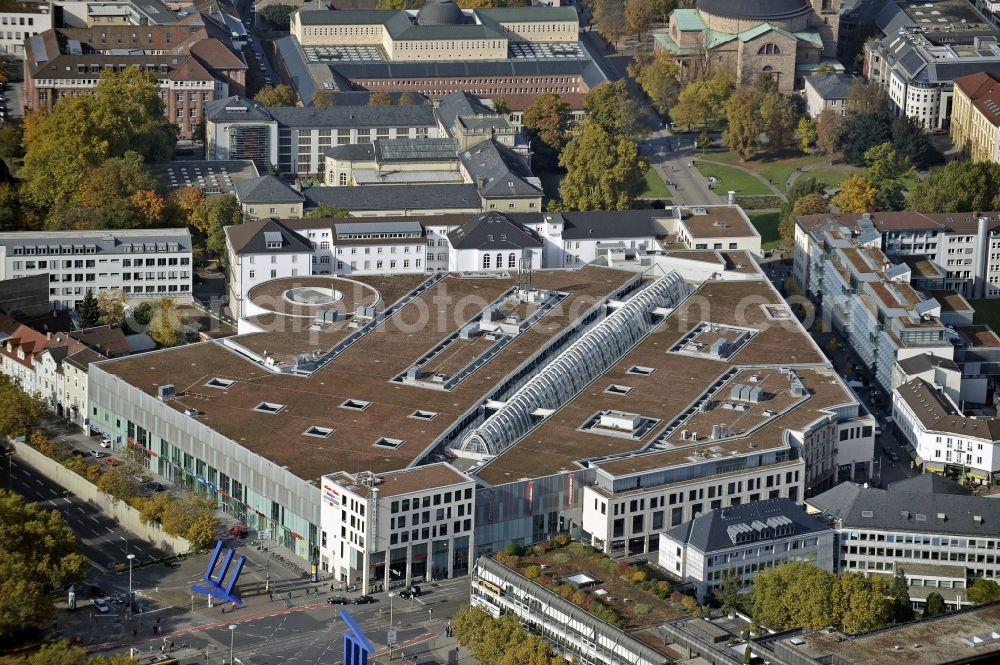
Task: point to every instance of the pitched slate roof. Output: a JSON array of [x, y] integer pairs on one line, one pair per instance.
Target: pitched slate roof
[[831, 86], [869, 508], [930, 483], [924, 362], [266, 189], [492, 230], [248, 238], [397, 197], [710, 531], [610, 224], [498, 171]]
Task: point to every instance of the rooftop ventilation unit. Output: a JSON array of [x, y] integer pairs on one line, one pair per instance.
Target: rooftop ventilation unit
[[191, 412], [166, 391]]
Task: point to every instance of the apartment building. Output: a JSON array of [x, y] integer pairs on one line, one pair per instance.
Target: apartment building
[[902, 527], [20, 21], [411, 525], [742, 541], [268, 196], [975, 118], [144, 263], [827, 92], [193, 68]]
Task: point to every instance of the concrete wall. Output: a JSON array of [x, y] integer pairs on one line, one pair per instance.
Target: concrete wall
[[121, 512]]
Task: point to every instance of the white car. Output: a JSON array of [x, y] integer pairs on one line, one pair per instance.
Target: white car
[[97, 453], [102, 605], [105, 442]]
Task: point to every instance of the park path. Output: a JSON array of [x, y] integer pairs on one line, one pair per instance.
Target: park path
[[764, 181]]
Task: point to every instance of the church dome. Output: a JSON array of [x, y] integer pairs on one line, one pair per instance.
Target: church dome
[[440, 12], [753, 9]]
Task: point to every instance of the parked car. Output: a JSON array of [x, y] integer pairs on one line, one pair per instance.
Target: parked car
[[111, 461], [363, 600], [105, 442], [155, 486], [102, 605], [893, 456], [238, 531], [411, 591], [98, 453], [336, 600], [78, 453]]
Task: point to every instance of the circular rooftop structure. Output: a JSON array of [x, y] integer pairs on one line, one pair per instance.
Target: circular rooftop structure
[[440, 12], [754, 9], [308, 297]]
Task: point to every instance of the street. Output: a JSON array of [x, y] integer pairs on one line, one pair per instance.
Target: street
[[672, 158]]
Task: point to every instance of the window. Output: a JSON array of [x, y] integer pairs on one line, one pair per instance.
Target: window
[[269, 407], [641, 370], [486, 261], [385, 442], [769, 49], [424, 415], [321, 432], [355, 404], [343, 179], [512, 260], [217, 382], [615, 389]]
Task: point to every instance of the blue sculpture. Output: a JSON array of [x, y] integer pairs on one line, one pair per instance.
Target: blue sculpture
[[356, 645], [214, 587]]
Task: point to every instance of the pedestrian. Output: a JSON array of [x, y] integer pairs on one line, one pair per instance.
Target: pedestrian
[[270, 594], [289, 595], [134, 631]]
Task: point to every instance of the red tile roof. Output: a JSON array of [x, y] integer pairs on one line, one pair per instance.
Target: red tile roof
[[983, 90]]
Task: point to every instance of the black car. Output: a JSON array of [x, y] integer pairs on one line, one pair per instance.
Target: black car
[[78, 453], [363, 600], [155, 487], [336, 600], [410, 592], [96, 591]]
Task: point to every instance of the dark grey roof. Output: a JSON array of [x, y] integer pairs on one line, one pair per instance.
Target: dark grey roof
[[354, 152], [236, 109], [413, 115], [752, 9], [609, 224], [460, 104], [345, 17], [930, 483], [711, 531], [409, 150], [440, 12], [584, 67], [924, 362], [498, 171], [397, 197], [266, 189], [361, 97], [831, 86], [915, 512], [492, 230], [248, 238], [293, 61]]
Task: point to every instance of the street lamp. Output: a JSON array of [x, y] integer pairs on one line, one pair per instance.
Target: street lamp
[[130, 557], [232, 636], [391, 594], [125, 540]]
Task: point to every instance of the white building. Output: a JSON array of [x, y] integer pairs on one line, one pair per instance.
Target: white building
[[19, 21], [146, 263], [827, 93], [743, 541], [411, 525], [910, 524]]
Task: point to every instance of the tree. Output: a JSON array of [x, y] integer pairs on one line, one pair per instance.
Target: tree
[[278, 15], [119, 482], [960, 186], [810, 204], [165, 328], [201, 533], [900, 591], [830, 127], [37, 552], [805, 132], [131, 115], [111, 303], [792, 595], [486, 637], [864, 131], [90, 312], [179, 515], [546, 122], [778, 117], [934, 605], [867, 99], [11, 142], [885, 171], [611, 106], [729, 592], [983, 591], [856, 195], [324, 97], [703, 100], [326, 211], [604, 171], [609, 19], [500, 105], [861, 603], [913, 143], [399, 5], [658, 77], [19, 411], [639, 15], [64, 653], [280, 95], [409, 99], [380, 99], [212, 216], [744, 123]]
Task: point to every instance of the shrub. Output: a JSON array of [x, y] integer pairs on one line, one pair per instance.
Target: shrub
[[663, 585], [638, 577], [689, 603], [539, 549], [624, 568], [561, 540], [512, 549], [579, 597], [93, 473], [502, 557], [544, 580], [642, 609], [562, 557], [566, 590], [532, 572]]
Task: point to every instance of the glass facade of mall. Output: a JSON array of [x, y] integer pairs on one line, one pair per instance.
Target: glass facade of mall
[[248, 487]]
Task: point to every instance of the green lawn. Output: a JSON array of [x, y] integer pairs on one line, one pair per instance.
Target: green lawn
[[987, 312], [766, 224], [655, 187], [778, 169], [743, 184], [829, 177]]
